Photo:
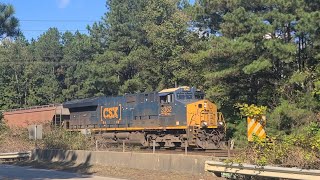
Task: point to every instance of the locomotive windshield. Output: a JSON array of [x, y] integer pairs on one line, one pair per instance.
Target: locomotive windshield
[[184, 95], [181, 94], [188, 95], [199, 95]]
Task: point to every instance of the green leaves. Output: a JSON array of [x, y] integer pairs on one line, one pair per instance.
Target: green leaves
[[9, 24], [252, 110], [299, 149], [278, 49], [299, 77], [257, 65]]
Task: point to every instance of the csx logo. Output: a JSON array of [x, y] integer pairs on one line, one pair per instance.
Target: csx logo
[[110, 113]]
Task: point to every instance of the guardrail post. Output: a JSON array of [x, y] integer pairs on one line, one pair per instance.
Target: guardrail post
[[232, 144], [97, 145], [229, 149], [123, 145], [153, 146]]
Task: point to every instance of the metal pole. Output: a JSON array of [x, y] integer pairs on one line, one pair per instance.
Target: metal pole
[[123, 145], [55, 117], [35, 136], [60, 117], [186, 148], [154, 147]]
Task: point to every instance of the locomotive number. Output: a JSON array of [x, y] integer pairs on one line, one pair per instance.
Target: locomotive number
[[166, 110], [110, 113]]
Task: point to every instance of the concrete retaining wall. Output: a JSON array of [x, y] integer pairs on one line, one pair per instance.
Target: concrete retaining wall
[[162, 162]]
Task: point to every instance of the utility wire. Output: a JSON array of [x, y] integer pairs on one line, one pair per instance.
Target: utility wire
[[46, 63], [37, 30], [56, 20]]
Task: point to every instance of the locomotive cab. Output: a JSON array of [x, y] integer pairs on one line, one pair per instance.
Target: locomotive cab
[[185, 106], [199, 111]]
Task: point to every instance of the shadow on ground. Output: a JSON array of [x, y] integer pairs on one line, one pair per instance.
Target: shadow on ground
[[67, 161]]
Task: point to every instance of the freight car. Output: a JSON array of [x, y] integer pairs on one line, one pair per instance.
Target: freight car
[[171, 118], [53, 114]]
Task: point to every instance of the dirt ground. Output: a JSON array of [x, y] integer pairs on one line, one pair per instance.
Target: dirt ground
[[109, 171]]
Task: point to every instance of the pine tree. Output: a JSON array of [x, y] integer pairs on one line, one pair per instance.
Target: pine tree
[[9, 24]]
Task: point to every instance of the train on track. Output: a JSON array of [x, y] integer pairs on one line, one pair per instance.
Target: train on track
[[171, 118]]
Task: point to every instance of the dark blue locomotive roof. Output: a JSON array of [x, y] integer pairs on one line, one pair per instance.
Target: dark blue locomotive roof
[[84, 102], [96, 101]]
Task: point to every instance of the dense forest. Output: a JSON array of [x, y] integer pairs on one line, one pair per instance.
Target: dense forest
[[263, 52]]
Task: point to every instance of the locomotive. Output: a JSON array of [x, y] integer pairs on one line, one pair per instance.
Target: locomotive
[[171, 118]]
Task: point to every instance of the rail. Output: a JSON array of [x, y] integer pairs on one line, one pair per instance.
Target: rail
[[15, 155], [266, 171]]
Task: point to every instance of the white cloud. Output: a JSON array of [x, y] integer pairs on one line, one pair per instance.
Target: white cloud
[[63, 3]]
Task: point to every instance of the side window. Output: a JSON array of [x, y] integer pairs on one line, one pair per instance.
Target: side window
[[166, 98], [170, 98], [163, 99]]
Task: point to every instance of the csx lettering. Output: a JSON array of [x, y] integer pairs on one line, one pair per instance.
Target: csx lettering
[[110, 113]]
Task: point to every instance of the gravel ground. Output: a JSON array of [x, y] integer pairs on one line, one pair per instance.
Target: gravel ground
[[117, 172]]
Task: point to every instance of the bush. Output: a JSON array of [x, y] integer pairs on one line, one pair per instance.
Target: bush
[[299, 149], [60, 138]]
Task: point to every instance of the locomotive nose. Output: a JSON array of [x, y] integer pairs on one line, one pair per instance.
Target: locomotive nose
[[203, 113]]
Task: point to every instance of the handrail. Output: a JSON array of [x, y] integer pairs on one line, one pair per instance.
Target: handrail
[[266, 171]]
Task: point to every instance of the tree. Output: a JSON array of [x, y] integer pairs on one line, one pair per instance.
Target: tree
[[78, 50], [8, 23], [261, 52], [143, 43], [13, 61], [44, 85]]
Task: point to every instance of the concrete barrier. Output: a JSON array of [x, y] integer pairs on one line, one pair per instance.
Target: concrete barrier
[[193, 164]]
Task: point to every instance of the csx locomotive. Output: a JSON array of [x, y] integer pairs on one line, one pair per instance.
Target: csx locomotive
[[171, 118]]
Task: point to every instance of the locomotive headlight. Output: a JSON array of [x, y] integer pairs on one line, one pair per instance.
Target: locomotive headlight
[[220, 123], [204, 124], [205, 105]]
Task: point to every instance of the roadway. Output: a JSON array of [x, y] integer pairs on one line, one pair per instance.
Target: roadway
[[27, 173]]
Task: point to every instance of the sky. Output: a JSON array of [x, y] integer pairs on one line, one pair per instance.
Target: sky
[[37, 16]]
